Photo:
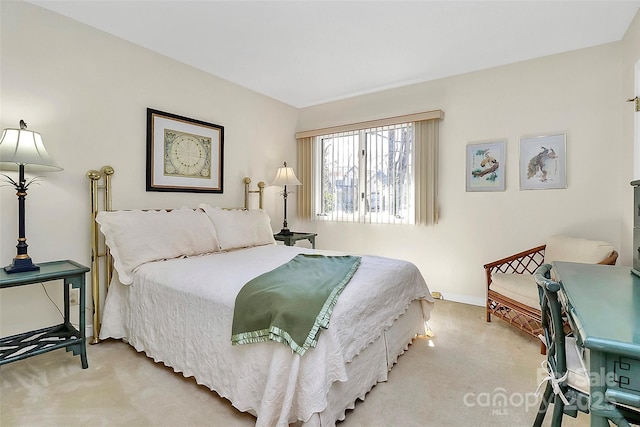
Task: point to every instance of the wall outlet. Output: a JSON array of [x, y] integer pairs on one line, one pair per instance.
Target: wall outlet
[[74, 296]]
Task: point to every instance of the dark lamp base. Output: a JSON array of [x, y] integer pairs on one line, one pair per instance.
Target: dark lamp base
[[21, 265], [285, 232]]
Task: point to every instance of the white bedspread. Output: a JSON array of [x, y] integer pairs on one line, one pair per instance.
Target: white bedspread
[[179, 312]]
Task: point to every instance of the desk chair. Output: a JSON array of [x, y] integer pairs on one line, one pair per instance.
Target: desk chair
[[567, 386], [568, 380]]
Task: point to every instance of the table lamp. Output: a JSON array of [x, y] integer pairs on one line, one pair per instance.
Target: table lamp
[[285, 176], [22, 150]]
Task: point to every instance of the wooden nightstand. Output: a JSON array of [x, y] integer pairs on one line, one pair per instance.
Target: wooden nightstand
[[64, 335], [291, 239]]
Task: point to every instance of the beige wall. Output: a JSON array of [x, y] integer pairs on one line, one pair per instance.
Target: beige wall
[[87, 93], [629, 156], [578, 93]]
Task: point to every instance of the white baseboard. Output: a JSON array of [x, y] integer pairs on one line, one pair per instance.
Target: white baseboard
[[465, 299]]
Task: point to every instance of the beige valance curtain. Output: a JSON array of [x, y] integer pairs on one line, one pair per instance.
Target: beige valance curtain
[[426, 132]]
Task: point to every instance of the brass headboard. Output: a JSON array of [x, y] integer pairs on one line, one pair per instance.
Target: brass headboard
[[100, 250]]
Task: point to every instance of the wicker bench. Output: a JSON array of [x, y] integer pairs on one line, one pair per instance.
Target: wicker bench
[[514, 295]]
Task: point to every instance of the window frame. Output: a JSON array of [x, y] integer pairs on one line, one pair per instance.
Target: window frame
[[363, 191]]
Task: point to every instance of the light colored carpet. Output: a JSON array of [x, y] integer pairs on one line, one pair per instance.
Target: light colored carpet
[[472, 373]]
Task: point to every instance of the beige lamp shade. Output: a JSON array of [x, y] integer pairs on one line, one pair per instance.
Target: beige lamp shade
[[24, 147], [285, 176]]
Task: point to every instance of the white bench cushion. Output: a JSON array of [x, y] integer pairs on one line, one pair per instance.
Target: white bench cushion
[[571, 249], [519, 287]]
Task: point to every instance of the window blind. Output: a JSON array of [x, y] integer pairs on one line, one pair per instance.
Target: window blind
[[377, 156]]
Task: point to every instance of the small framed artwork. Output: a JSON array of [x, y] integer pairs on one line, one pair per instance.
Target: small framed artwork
[[184, 155], [486, 166], [543, 161]]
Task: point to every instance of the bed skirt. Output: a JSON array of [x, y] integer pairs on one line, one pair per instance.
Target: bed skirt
[[370, 367]]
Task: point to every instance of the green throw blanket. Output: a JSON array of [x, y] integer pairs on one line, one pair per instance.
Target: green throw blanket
[[291, 303]]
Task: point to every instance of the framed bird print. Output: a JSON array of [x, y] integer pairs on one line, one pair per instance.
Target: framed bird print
[[486, 166], [543, 161], [183, 154]]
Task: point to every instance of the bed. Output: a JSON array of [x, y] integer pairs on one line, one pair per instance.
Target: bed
[[172, 296]]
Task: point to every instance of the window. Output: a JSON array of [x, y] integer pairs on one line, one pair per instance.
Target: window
[[378, 171], [366, 175]]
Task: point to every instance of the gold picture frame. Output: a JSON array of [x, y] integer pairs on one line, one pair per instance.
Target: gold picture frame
[[183, 154]]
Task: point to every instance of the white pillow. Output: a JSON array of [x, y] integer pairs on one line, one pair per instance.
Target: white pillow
[[570, 249], [137, 237], [239, 228]]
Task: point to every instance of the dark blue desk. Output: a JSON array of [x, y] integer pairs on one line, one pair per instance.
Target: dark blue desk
[[603, 306]]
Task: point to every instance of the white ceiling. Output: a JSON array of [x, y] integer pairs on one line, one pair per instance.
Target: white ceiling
[[309, 52]]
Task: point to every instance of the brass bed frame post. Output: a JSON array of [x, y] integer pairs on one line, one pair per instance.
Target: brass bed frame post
[[247, 191], [108, 265], [94, 177]]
